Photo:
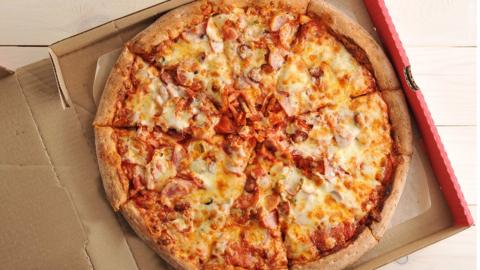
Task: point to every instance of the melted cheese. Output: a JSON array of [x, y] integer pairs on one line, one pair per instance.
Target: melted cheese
[[160, 168], [317, 82]]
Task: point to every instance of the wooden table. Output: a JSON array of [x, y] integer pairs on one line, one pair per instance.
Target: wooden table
[[440, 40]]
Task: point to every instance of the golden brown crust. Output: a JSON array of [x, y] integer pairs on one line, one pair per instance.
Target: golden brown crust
[[343, 25], [117, 80], [109, 164], [168, 26], [132, 215], [299, 6], [344, 257], [399, 120], [390, 204]]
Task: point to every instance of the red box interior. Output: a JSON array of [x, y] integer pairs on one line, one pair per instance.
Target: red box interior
[[438, 157]]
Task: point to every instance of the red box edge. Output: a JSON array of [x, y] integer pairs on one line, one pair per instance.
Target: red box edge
[[438, 157]]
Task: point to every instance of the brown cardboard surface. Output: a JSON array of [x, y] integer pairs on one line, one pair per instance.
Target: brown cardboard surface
[[65, 221], [66, 154], [39, 228], [4, 72]]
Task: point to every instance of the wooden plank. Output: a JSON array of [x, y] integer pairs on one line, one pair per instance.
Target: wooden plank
[[434, 22], [51, 20], [460, 144], [446, 76], [456, 252], [45, 22], [15, 57], [442, 60]]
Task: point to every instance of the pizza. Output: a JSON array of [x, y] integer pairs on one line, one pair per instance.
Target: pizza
[[254, 135]]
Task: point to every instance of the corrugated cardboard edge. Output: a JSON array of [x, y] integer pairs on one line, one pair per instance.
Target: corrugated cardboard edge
[[4, 72], [410, 248], [61, 87], [435, 149]]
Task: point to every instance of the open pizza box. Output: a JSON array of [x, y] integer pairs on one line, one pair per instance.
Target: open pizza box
[[56, 213]]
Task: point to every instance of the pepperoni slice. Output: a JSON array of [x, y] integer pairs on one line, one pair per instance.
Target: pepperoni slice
[[225, 125]]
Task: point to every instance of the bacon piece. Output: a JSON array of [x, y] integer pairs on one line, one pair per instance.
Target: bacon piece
[[175, 189], [304, 19], [228, 30], [182, 76], [315, 72], [195, 33], [244, 51], [166, 77], [225, 125], [216, 41], [299, 136], [275, 58], [272, 201], [309, 165], [287, 34], [327, 239], [246, 200], [250, 185], [278, 21], [269, 220], [284, 208], [255, 75], [179, 155], [239, 254]]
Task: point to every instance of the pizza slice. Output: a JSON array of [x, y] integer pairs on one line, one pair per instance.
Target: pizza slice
[[320, 72], [182, 88], [182, 190], [252, 239]]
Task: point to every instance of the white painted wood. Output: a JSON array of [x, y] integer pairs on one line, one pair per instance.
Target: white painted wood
[[456, 252], [434, 22], [15, 57], [446, 76], [461, 145], [45, 22]]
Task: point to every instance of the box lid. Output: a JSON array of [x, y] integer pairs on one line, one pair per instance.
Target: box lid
[[433, 144]]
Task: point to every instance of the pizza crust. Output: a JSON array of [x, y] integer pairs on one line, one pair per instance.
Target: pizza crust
[[116, 84], [344, 257], [399, 120], [168, 26], [299, 6], [390, 204], [109, 164], [344, 25], [132, 215], [171, 24]]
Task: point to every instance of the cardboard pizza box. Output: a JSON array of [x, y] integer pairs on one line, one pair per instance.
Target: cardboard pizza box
[[57, 215]]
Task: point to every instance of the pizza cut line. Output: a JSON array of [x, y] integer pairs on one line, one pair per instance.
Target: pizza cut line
[[254, 135]]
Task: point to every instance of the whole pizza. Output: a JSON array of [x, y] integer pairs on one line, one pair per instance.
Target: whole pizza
[[254, 135]]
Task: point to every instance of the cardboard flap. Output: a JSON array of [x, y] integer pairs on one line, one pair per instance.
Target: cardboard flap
[[76, 169], [39, 228], [4, 72]]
